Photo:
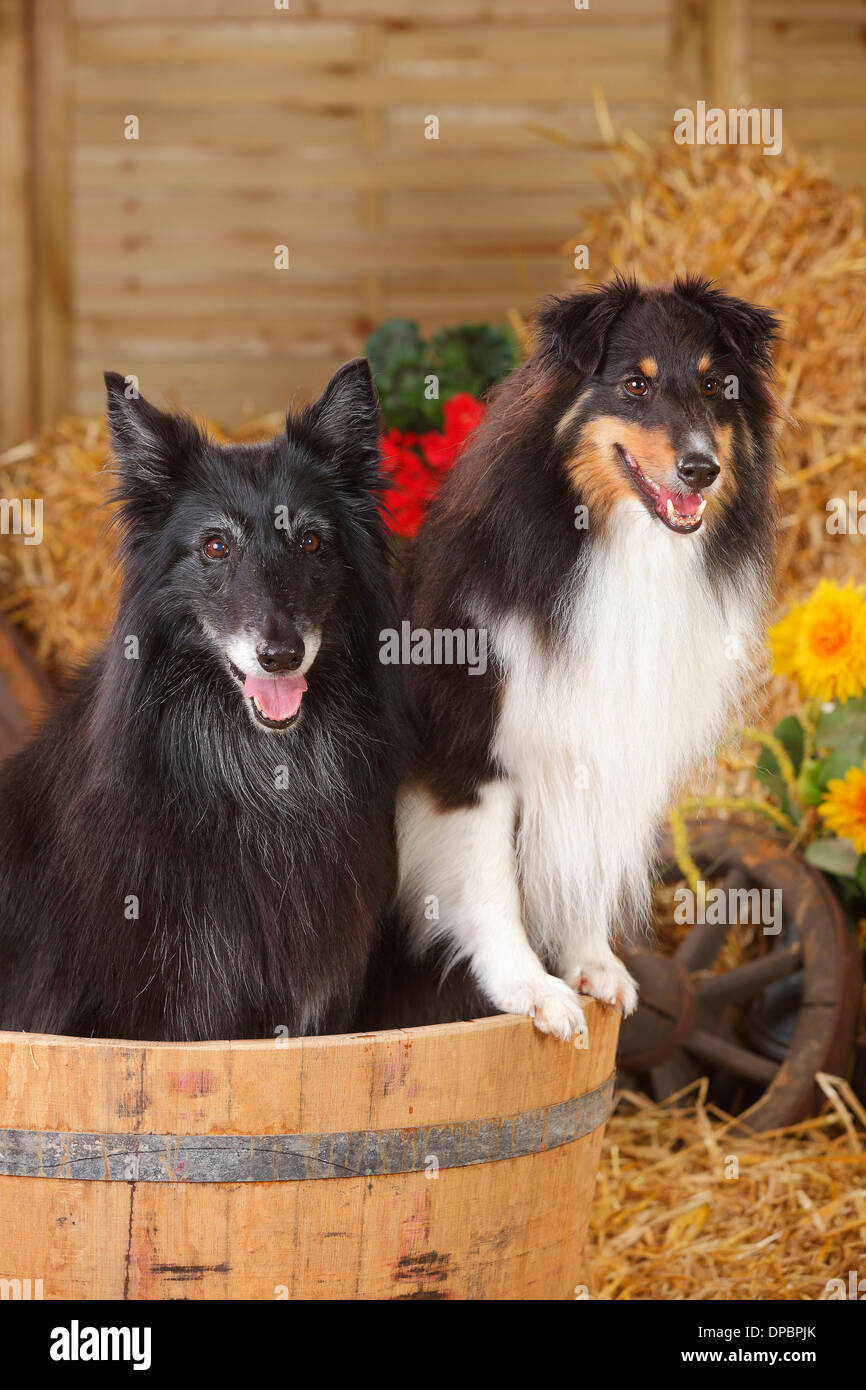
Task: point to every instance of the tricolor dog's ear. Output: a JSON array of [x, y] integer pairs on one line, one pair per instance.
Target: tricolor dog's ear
[[749, 330], [574, 328], [346, 424]]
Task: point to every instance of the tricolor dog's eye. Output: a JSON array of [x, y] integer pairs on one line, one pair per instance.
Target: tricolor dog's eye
[[310, 542], [215, 548], [709, 386], [636, 386]]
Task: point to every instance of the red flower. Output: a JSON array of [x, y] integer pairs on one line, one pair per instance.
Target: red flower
[[462, 414], [415, 463], [412, 484], [439, 451]]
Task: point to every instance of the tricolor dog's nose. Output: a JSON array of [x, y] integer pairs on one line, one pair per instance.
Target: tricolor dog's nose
[[697, 471], [280, 656]]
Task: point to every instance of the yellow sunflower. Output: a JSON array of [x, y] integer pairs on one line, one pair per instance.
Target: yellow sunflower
[[844, 807], [821, 644]]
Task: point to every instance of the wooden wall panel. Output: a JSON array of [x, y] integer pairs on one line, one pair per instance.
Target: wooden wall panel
[[305, 127], [811, 60], [50, 115], [16, 279]]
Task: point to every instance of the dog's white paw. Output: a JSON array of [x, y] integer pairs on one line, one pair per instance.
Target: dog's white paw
[[552, 1006], [607, 980]]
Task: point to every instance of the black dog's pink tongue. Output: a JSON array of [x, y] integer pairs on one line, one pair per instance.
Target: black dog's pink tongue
[[684, 503], [278, 697]]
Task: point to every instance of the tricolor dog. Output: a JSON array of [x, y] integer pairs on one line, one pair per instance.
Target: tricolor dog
[[610, 529]]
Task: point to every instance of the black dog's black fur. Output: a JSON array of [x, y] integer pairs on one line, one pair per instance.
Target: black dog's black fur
[[169, 870]]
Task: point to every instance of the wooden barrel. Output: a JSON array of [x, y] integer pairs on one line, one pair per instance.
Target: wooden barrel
[[455, 1161]]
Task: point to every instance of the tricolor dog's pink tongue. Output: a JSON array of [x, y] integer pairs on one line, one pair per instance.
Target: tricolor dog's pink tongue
[[685, 503], [278, 697]]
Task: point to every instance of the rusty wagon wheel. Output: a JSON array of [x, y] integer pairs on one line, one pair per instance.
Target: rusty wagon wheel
[[690, 1020]]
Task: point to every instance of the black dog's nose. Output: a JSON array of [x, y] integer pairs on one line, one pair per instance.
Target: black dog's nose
[[280, 656], [697, 471]]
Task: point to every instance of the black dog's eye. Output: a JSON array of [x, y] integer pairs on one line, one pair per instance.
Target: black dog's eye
[[710, 386], [636, 386], [215, 548], [310, 542]]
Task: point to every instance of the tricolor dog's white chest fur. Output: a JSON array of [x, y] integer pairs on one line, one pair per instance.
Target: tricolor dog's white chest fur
[[594, 734], [597, 732]]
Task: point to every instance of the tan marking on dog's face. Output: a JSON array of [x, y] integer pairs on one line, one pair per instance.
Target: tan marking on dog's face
[[704, 364], [599, 475], [725, 451], [568, 417], [648, 366]]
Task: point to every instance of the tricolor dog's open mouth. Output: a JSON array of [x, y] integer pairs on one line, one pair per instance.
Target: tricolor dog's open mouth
[[274, 700], [680, 511]]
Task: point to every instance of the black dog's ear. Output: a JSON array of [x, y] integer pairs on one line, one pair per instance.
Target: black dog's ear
[[574, 328], [345, 421], [149, 445], [749, 330]]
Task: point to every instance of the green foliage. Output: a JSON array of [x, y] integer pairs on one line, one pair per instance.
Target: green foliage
[[809, 787], [838, 743], [791, 735], [396, 352], [843, 730], [467, 357], [834, 856]]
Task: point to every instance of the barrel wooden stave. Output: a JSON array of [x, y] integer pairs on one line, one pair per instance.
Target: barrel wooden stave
[[509, 1228]]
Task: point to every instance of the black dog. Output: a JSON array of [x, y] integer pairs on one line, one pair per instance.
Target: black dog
[[200, 842]]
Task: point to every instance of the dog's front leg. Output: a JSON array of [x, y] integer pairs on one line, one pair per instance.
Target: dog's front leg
[[592, 968], [458, 884]]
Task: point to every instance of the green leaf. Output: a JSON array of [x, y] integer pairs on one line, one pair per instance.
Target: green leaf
[[472, 357], [844, 727], [790, 734], [393, 339], [809, 786], [836, 765], [861, 873], [767, 771], [833, 856], [467, 357], [398, 358]]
